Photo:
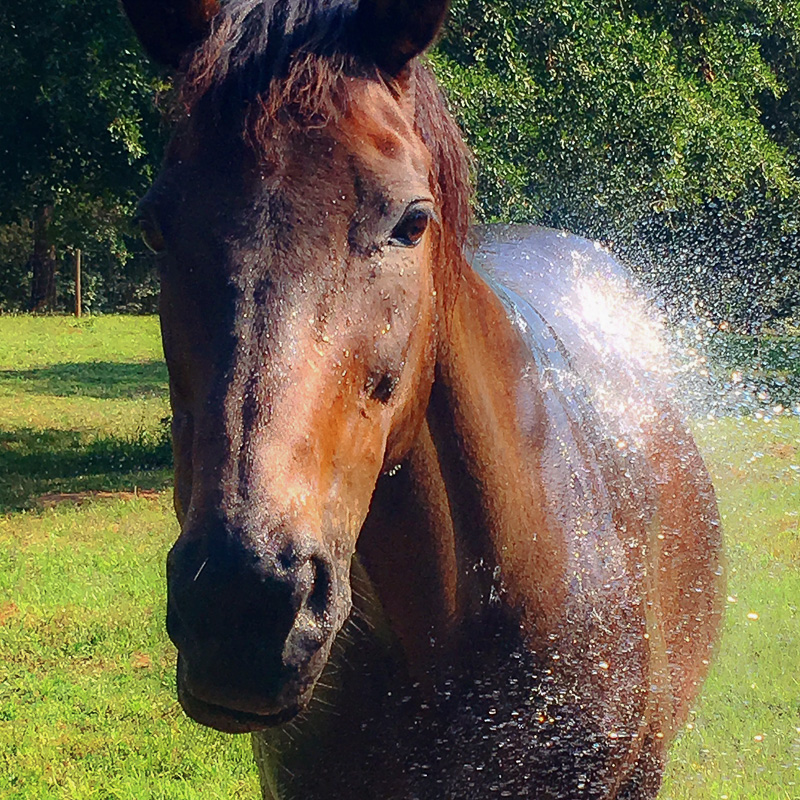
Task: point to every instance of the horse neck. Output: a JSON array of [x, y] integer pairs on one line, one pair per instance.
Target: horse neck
[[459, 532]]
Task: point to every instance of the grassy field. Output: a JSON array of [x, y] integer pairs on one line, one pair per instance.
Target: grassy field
[[87, 707], [743, 740]]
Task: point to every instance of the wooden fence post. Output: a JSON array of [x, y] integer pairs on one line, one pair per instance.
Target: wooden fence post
[[77, 283]]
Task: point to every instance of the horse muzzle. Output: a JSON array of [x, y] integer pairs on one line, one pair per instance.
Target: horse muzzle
[[253, 627]]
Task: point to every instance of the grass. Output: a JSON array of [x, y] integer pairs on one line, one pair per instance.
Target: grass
[[743, 740], [82, 407], [87, 706]]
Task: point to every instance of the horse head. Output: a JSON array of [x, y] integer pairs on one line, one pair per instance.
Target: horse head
[[297, 221]]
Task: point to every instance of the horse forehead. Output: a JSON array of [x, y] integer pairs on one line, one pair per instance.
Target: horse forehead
[[380, 129]]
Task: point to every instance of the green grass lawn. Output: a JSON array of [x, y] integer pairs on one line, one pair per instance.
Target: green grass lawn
[[82, 406], [743, 741], [87, 704], [87, 707]]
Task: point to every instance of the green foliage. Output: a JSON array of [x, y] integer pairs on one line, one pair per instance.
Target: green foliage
[[668, 129], [577, 109], [79, 131], [16, 243], [653, 126], [758, 372]]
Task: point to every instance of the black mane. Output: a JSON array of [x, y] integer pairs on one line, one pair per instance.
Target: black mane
[[254, 43]]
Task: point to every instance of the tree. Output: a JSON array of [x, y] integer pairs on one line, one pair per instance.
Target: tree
[[79, 132], [669, 129], [654, 126]]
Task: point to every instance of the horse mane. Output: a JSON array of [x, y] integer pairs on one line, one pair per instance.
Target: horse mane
[[289, 62]]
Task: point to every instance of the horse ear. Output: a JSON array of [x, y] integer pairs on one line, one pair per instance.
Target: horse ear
[[168, 28], [394, 31]]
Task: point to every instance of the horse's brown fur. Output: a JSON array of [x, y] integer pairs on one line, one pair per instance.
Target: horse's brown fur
[[310, 89], [363, 437]]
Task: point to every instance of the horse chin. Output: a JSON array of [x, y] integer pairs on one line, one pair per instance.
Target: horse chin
[[228, 720], [238, 720]]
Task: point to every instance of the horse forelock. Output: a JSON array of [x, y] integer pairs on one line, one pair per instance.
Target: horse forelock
[[289, 64], [261, 52]]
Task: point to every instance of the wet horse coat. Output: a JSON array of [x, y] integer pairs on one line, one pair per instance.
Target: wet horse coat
[[588, 710], [443, 533]]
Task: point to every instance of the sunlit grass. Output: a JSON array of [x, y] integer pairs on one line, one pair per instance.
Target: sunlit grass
[[87, 701], [743, 742], [29, 341], [87, 704], [83, 406], [92, 375]]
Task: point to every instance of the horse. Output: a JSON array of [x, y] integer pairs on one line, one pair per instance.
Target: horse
[[443, 531]]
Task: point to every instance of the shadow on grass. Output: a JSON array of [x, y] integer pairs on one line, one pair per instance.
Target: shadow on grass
[[103, 379], [34, 462]]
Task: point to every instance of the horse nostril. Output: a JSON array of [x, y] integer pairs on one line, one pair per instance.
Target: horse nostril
[[315, 616], [381, 389], [313, 588], [288, 558], [274, 608], [319, 599]]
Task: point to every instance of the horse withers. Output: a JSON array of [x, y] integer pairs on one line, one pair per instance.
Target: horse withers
[[443, 533]]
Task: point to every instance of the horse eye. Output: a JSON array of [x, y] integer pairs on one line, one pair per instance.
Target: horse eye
[[152, 236], [408, 232]]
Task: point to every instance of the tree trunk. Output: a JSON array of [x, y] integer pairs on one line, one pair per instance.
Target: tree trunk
[[43, 263]]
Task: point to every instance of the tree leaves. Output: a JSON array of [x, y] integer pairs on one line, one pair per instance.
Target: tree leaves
[[79, 128], [612, 119]]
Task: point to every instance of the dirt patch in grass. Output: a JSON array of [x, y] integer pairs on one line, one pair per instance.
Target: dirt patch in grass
[[79, 498], [7, 611], [782, 450]]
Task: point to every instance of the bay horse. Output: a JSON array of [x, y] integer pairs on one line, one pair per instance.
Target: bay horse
[[443, 532]]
